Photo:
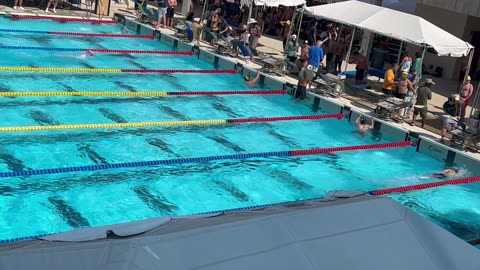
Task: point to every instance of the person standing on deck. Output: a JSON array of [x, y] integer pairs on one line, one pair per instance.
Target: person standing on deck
[[405, 65], [55, 3], [312, 34], [162, 12], [389, 80], [404, 85], [424, 94], [340, 52], [304, 54], [466, 91], [292, 48], [315, 56], [417, 66], [362, 66], [172, 4]]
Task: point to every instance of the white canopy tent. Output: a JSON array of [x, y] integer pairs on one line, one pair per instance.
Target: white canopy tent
[[398, 25], [276, 3], [395, 24]]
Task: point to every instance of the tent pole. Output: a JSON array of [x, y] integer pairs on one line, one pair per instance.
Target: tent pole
[[400, 52], [470, 58], [349, 49], [250, 11], [203, 10], [421, 63], [300, 20], [290, 29]]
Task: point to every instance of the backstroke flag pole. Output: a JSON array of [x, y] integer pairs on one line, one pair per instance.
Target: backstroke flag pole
[[347, 58]]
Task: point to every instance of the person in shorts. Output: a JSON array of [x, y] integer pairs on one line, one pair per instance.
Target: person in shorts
[[361, 68], [50, 2], [424, 94], [162, 12], [306, 77], [172, 4], [454, 116]]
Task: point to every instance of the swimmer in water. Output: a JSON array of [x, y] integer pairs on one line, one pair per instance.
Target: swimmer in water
[[447, 173], [362, 127], [249, 81], [88, 53]]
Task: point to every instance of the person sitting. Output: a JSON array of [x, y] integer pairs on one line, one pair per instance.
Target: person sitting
[[251, 82], [362, 126], [453, 109]]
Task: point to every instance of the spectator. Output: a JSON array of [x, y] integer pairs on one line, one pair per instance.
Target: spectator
[[233, 12], [162, 12], [242, 43], [260, 22], [315, 55], [406, 64], [417, 65], [361, 68], [304, 54], [55, 2], [404, 85], [312, 34], [18, 4], [453, 108], [340, 52], [332, 44], [389, 80], [306, 76], [285, 31], [292, 49], [172, 4], [424, 94], [466, 91], [254, 38]]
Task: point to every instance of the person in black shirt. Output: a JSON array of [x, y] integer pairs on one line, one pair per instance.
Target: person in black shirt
[[312, 34]]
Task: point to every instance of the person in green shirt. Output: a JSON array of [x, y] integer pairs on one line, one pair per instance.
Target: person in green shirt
[[417, 65], [292, 49]]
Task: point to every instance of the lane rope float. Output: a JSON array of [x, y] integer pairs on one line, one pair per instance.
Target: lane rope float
[[79, 34], [474, 242], [116, 70], [62, 19], [202, 159], [172, 123], [462, 181], [147, 94], [96, 50]]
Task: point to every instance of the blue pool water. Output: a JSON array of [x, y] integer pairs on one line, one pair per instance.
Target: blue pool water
[[54, 203]]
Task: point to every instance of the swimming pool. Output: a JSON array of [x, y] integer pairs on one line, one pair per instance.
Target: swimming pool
[[36, 205]]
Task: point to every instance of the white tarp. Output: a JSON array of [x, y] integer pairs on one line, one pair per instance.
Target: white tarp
[[364, 233], [394, 24], [276, 3]]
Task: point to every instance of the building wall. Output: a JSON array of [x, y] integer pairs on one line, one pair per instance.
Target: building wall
[[451, 22]]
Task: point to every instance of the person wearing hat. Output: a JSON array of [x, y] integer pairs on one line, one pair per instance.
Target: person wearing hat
[[306, 76], [292, 49], [403, 86], [466, 91], [424, 94], [453, 117]]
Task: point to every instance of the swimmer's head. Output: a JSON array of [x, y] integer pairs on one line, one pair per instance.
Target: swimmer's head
[[90, 53], [363, 121]]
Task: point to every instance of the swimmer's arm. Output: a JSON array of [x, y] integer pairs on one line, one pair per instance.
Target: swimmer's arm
[[372, 123], [357, 122], [256, 77]]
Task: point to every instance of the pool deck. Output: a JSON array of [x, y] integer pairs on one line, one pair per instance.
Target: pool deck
[[272, 46]]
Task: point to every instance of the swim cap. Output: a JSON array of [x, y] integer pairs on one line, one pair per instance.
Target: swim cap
[[294, 36], [469, 78], [310, 67], [405, 73], [288, 22]]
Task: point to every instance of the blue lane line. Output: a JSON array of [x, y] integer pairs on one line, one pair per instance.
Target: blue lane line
[[23, 31], [98, 167], [41, 48]]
